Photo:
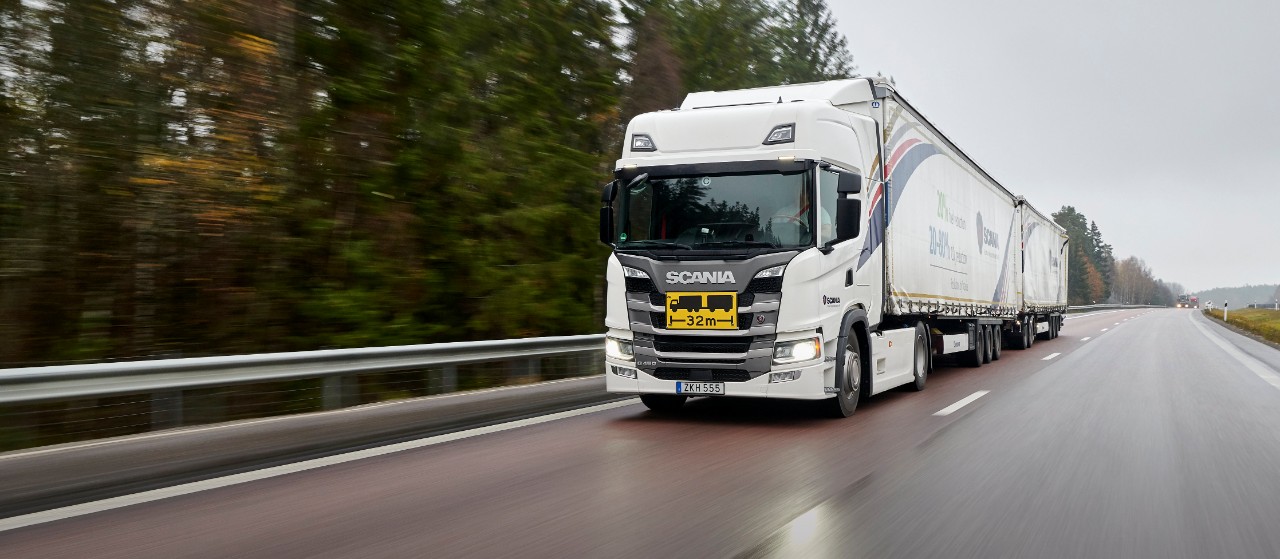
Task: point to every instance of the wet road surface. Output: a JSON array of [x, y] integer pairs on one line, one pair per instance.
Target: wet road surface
[[1149, 439]]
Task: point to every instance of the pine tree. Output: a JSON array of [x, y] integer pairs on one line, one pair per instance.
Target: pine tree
[[726, 44], [655, 68], [810, 48]]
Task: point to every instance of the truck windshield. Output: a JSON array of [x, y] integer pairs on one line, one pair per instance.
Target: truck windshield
[[766, 210]]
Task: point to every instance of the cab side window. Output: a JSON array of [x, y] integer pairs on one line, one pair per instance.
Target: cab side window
[[827, 181]]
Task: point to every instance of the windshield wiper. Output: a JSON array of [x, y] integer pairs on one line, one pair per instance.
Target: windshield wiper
[[653, 244], [762, 244]]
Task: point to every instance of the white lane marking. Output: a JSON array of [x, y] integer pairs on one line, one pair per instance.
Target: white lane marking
[[1083, 315], [1105, 329], [1259, 368], [34, 518], [962, 403], [233, 424], [1117, 324], [1051, 356], [1086, 338]]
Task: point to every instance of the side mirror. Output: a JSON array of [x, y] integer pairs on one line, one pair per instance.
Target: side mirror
[[607, 196], [849, 183], [848, 206]]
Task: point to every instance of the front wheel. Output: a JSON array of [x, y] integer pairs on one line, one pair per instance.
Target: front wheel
[[848, 378], [663, 403]]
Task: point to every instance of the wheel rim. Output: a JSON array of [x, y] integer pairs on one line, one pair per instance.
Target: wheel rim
[[852, 371], [921, 368]]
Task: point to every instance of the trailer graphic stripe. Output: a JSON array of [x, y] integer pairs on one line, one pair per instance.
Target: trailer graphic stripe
[[906, 158]]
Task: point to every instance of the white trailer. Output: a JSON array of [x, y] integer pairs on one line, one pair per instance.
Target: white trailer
[[1044, 278], [818, 241]]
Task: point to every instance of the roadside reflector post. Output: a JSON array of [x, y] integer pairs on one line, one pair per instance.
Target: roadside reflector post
[[1224, 311]]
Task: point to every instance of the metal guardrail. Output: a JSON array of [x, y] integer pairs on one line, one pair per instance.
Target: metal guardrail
[[65, 382], [166, 379]]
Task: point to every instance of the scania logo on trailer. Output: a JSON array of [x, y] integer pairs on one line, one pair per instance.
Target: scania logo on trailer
[[700, 277]]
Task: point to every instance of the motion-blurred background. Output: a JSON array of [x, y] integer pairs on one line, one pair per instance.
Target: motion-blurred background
[[183, 178]]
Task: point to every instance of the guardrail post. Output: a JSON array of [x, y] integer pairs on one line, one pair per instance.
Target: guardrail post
[[528, 368], [449, 379], [166, 410], [340, 391]]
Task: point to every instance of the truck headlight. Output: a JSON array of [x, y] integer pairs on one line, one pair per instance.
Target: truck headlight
[[774, 272], [619, 348], [637, 273], [796, 351]]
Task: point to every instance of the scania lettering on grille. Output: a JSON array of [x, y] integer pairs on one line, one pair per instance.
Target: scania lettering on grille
[[700, 277]]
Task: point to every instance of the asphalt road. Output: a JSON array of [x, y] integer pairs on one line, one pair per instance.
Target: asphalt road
[[1156, 437]]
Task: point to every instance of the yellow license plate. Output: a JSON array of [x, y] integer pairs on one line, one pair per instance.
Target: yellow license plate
[[702, 311]]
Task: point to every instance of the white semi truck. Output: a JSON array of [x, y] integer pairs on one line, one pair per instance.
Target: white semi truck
[[818, 241]]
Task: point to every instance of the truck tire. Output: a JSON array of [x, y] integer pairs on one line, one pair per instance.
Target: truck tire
[[997, 342], [920, 362], [1057, 326], [987, 346], [973, 357], [848, 378], [1031, 331], [663, 403]]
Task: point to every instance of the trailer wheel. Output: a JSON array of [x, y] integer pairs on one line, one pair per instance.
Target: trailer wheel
[[997, 342], [663, 403], [921, 362], [1057, 326], [973, 357], [1031, 331], [848, 378], [988, 348]]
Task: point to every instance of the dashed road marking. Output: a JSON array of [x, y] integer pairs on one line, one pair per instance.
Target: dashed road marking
[[1086, 338], [1050, 356], [962, 403]]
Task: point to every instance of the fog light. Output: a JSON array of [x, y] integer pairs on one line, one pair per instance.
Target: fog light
[[623, 372], [787, 376]]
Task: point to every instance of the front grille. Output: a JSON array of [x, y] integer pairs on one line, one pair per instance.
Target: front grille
[[640, 285], [765, 285], [659, 320], [702, 344], [712, 375]]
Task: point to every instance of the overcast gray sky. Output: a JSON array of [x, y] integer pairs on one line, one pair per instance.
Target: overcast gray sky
[[1159, 120]]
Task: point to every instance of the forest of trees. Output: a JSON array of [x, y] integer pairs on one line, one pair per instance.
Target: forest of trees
[[233, 176], [1094, 275]]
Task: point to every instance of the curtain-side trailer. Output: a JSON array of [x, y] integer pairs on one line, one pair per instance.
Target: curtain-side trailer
[[816, 241]]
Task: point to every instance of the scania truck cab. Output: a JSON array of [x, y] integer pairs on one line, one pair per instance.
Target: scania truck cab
[[747, 260]]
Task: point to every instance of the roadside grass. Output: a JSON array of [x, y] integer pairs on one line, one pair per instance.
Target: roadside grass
[[1263, 322]]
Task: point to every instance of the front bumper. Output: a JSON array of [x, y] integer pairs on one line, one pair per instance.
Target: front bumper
[[812, 385]]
